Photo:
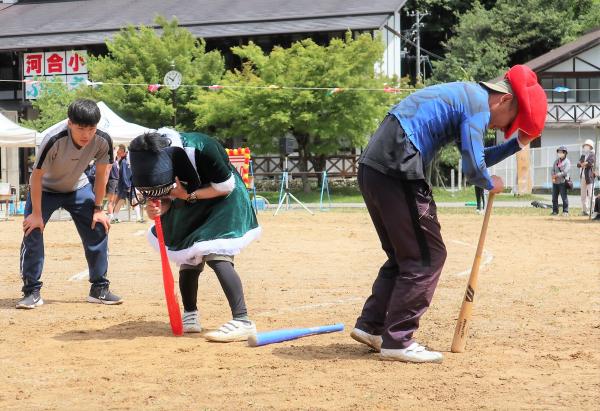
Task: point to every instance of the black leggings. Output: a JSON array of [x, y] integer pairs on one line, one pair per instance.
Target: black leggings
[[230, 282]]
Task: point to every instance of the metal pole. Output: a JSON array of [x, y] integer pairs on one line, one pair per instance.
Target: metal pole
[[459, 171], [593, 168], [418, 75], [174, 108]]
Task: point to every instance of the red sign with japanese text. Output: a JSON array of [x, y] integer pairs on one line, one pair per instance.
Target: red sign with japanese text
[[55, 63], [33, 64]]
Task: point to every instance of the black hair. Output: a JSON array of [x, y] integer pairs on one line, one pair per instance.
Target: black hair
[[154, 142], [84, 112]]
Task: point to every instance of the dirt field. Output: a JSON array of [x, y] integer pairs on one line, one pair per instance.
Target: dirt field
[[534, 342]]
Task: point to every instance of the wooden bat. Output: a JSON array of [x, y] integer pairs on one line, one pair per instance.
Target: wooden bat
[[278, 336], [168, 282], [464, 318]]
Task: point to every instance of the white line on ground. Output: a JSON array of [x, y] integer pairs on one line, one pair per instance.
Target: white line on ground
[[308, 307], [80, 276], [488, 257], [139, 233]]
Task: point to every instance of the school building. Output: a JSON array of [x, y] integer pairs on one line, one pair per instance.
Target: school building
[[41, 39]]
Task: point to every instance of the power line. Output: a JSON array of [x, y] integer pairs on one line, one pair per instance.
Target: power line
[[396, 33]]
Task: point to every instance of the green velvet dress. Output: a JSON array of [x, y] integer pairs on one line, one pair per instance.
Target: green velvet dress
[[222, 225]]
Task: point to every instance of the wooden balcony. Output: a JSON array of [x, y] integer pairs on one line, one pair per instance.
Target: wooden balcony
[[572, 112]]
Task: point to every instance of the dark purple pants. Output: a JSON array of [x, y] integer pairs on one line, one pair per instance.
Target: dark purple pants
[[405, 217]]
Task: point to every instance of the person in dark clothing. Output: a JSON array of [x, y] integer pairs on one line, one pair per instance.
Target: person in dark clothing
[[560, 175], [479, 195], [392, 181], [123, 182]]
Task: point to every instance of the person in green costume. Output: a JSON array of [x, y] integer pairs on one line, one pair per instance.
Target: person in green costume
[[206, 215]]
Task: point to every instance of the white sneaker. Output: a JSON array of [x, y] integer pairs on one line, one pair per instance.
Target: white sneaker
[[233, 330], [190, 322], [414, 353], [373, 341]]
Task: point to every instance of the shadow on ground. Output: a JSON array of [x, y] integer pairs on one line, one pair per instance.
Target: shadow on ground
[[127, 330], [335, 351], [10, 303]]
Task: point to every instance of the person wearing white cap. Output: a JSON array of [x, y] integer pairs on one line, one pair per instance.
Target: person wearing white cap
[[586, 174]]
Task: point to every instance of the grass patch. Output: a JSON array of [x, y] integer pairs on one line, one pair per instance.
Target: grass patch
[[352, 195]]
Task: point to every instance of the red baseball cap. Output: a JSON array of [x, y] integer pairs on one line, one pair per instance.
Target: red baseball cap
[[522, 82]]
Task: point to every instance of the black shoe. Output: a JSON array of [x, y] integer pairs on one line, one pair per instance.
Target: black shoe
[[102, 295], [597, 217], [31, 300], [553, 213]]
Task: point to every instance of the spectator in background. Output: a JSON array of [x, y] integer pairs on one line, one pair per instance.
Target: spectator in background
[[560, 174], [124, 182], [111, 189], [586, 175], [479, 195]]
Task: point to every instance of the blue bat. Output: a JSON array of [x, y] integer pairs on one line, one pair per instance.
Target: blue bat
[[278, 336]]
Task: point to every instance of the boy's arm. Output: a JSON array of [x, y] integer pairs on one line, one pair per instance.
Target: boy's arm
[[99, 216], [35, 219], [102, 171]]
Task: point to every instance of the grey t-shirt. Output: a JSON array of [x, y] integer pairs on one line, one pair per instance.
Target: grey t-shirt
[[64, 164]]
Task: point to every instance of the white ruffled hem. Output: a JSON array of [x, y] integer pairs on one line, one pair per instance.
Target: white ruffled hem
[[194, 254]]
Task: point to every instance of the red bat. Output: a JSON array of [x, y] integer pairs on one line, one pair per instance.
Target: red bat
[[169, 283]]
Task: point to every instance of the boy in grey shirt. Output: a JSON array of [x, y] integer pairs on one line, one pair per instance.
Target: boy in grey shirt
[[58, 180]]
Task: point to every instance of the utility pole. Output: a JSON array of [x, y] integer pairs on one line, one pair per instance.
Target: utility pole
[[417, 29]]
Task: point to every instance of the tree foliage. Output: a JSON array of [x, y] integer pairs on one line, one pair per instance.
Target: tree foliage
[[143, 55], [323, 121], [488, 40], [52, 105]]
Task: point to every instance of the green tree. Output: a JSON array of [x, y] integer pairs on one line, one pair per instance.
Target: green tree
[[323, 121], [487, 41], [142, 55]]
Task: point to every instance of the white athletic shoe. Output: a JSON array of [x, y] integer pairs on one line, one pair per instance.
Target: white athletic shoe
[[233, 330], [414, 353], [373, 341], [190, 322]]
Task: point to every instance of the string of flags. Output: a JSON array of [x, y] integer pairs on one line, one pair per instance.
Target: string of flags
[[153, 88], [330, 91]]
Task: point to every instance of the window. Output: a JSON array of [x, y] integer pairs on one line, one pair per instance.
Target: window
[[582, 89], [595, 90], [547, 86], [571, 83], [556, 96], [583, 92]]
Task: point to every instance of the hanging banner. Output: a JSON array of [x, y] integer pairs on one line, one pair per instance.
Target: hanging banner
[[240, 159], [39, 67]]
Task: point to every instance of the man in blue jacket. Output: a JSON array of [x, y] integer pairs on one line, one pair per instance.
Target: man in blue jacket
[[392, 181]]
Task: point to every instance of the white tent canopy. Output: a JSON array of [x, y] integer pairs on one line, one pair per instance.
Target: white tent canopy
[[121, 131], [13, 135]]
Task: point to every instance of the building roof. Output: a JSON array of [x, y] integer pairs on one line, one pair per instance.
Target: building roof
[[565, 51], [40, 24]]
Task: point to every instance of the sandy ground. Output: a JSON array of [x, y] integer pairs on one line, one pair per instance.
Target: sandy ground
[[534, 341]]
